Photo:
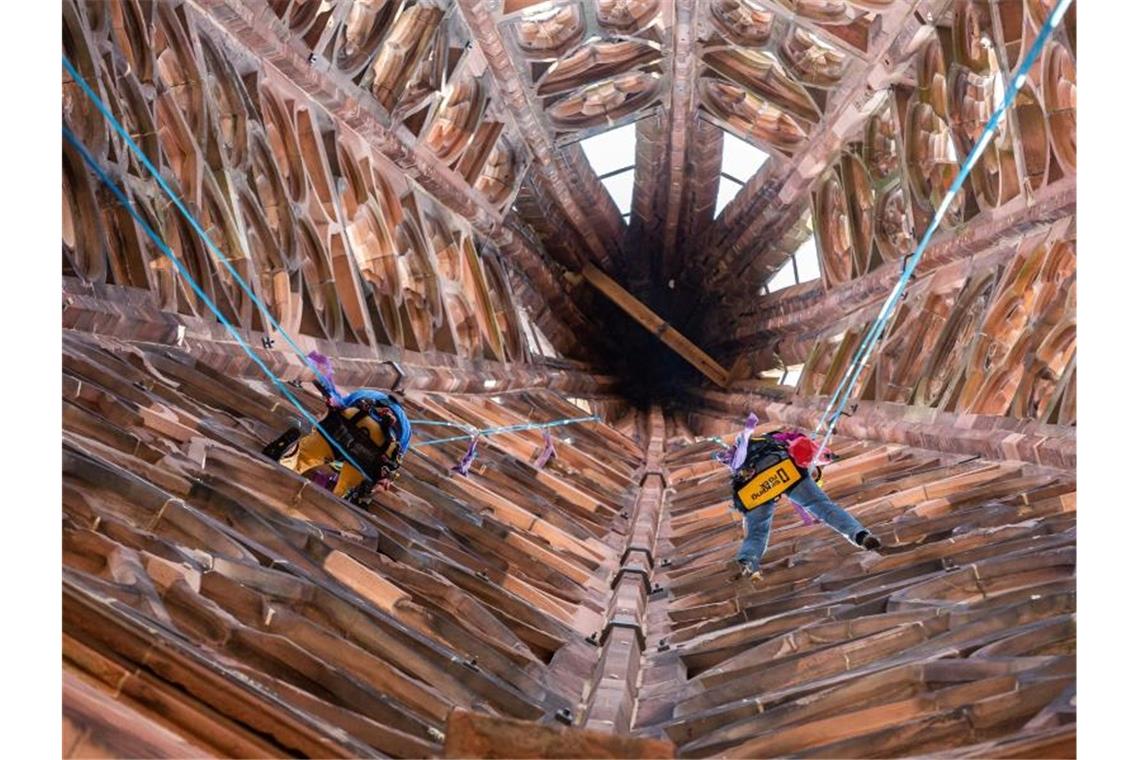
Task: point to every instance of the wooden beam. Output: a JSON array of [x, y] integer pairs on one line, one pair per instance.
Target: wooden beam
[[685, 348]]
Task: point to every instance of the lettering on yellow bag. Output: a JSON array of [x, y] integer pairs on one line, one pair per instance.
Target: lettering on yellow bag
[[768, 484]]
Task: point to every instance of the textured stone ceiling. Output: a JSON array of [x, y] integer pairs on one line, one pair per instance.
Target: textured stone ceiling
[[296, 126], [403, 184]]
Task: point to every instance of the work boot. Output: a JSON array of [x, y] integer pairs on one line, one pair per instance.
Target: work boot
[[868, 541], [744, 570]]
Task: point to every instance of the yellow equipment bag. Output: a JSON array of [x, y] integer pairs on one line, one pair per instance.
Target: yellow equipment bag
[[768, 484]]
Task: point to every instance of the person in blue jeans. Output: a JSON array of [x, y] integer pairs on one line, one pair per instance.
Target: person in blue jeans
[[806, 496]]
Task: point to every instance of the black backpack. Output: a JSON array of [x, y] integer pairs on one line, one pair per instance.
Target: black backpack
[[763, 452]]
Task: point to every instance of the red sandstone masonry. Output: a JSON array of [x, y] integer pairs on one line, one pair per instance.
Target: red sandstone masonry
[[998, 438], [611, 701], [133, 315]]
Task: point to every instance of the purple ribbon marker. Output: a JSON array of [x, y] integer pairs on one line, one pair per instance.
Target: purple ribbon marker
[[326, 479], [324, 370], [548, 451], [322, 363], [807, 517], [739, 450], [464, 465]]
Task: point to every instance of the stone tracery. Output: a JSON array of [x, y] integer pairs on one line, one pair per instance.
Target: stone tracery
[[378, 181]]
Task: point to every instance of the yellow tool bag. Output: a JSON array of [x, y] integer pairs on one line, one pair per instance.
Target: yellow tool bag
[[776, 475]]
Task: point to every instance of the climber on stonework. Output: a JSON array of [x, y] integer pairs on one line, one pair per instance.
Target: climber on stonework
[[768, 467], [369, 425]]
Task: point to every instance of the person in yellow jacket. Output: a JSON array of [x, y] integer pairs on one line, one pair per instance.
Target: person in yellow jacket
[[368, 425]]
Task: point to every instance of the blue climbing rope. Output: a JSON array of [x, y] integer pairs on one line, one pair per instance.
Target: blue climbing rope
[[233, 331], [842, 395], [189, 217], [223, 260], [523, 426]]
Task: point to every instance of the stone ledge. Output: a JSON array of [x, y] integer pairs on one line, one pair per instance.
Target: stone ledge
[[472, 735]]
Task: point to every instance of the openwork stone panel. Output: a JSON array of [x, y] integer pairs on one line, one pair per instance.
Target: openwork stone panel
[[589, 66], [329, 234], [767, 69], [1000, 340], [882, 191], [416, 60]]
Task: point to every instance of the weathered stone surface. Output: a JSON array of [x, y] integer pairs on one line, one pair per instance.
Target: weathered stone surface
[[967, 610], [472, 735], [403, 188]]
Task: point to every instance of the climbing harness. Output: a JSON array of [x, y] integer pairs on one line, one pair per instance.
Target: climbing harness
[[859, 362], [368, 424], [345, 438], [166, 251], [381, 460], [765, 467], [767, 470]]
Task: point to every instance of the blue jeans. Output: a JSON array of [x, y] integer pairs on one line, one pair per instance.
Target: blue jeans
[[758, 522]]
